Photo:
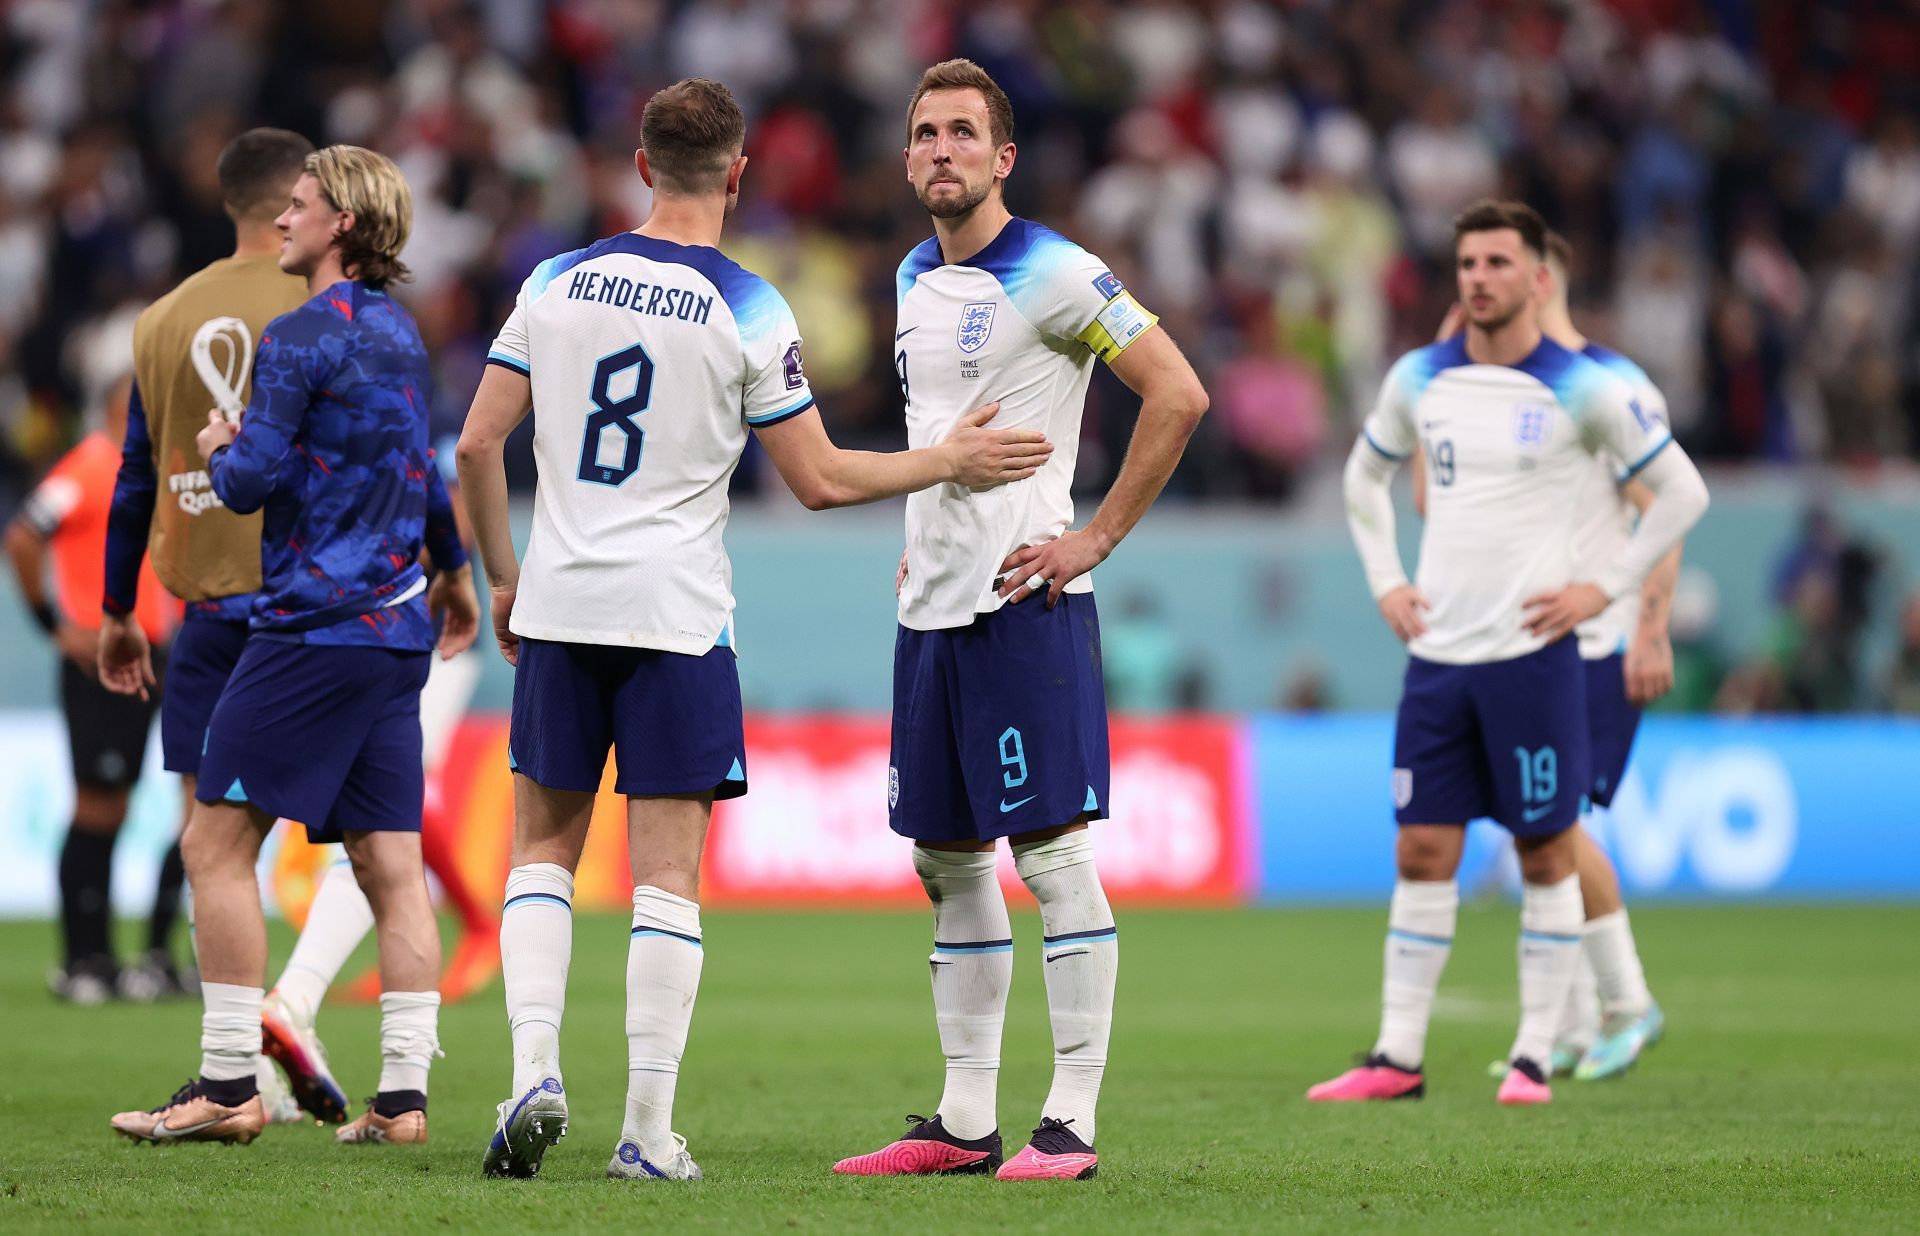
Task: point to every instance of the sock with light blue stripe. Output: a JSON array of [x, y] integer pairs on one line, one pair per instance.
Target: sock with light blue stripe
[[536, 949], [972, 966], [1551, 918], [1419, 938], [1081, 953], [664, 957]]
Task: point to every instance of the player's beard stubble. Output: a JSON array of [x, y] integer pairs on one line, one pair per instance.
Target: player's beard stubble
[[953, 207]]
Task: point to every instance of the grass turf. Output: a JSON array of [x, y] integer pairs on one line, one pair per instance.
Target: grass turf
[[1785, 1098]]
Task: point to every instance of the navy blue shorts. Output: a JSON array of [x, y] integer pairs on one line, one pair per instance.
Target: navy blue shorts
[[204, 654], [673, 720], [1612, 720], [1000, 726], [1506, 741], [326, 735]]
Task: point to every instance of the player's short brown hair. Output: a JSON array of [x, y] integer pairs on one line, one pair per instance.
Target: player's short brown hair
[[1488, 215], [257, 170], [966, 75], [1559, 251], [692, 132], [368, 186]]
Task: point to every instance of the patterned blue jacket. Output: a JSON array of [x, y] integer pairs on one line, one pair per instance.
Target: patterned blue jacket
[[334, 446]]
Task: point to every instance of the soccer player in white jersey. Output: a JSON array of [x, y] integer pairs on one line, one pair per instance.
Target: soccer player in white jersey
[[1610, 1015], [999, 715], [1493, 718], [649, 356]]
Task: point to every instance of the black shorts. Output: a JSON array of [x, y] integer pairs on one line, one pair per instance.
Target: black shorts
[[106, 733]]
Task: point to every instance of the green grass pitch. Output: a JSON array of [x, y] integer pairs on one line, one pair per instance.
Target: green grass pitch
[[1786, 1098]]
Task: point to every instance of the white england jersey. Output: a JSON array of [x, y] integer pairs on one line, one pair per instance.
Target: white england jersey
[[1022, 322], [1606, 518], [1510, 453], [649, 363]]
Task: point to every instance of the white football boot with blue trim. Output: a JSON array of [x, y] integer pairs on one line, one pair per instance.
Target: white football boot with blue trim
[[528, 1127]]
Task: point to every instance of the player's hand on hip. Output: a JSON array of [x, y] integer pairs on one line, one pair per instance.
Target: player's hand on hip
[[1553, 614], [122, 657], [503, 614], [451, 593], [900, 575], [1649, 667], [219, 432], [1402, 607], [983, 456], [1051, 566]]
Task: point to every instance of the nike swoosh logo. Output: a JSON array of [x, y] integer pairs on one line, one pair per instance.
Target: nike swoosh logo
[[1006, 806], [162, 1131], [1535, 813], [902, 334]]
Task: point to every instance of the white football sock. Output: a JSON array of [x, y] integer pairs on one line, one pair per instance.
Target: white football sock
[[664, 957], [409, 1038], [1616, 964], [1082, 963], [536, 948], [1550, 919], [972, 967], [1420, 924], [229, 1031], [1580, 1016], [337, 921]]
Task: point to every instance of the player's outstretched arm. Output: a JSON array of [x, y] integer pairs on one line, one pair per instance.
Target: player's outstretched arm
[[822, 475], [1679, 500], [502, 402], [1172, 401]]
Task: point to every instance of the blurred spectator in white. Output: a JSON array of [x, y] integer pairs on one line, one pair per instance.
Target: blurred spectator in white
[[1153, 200], [1883, 180], [1439, 164]]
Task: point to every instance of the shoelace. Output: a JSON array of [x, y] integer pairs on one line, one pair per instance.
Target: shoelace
[[189, 1091], [1050, 1127]]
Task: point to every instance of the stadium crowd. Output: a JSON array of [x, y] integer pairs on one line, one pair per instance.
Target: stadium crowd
[[1741, 183]]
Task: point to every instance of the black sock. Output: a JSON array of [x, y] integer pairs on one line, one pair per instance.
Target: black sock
[[166, 902], [390, 1103], [229, 1092], [86, 896]]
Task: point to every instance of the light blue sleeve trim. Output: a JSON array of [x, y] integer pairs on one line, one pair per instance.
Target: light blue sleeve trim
[[510, 362], [1646, 459], [1382, 451], [787, 413]]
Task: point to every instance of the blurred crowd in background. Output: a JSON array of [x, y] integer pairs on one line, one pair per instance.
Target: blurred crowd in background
[[1740, 181]]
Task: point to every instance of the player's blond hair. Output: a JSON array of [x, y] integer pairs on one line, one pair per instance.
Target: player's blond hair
[[966, 75], [368, 186]]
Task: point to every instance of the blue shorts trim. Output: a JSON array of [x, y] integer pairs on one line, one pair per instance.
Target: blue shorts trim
[[326, 735], [672, 721], [1612, 722], [204, 652], [1505, 740], [1000, 726]]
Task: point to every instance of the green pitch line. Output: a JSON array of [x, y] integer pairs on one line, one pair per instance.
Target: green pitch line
[[1784, 1098]]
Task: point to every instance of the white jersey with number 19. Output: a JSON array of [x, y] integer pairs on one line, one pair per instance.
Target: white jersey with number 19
[[1510, 450], [649, 362]]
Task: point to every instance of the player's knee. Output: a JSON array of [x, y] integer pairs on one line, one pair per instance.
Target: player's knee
[[1427, 853], [1547, 860], [98, 809]]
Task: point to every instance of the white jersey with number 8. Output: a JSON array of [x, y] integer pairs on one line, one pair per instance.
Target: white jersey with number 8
[[649, 361]]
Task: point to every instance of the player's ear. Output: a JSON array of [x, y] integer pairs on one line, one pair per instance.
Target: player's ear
[[734, 175], [640, 165], [1003, 162]]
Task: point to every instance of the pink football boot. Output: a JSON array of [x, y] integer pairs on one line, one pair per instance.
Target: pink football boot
[[1525, 1084], [1378, 1078], [1054, 1153], [927, 1150]]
